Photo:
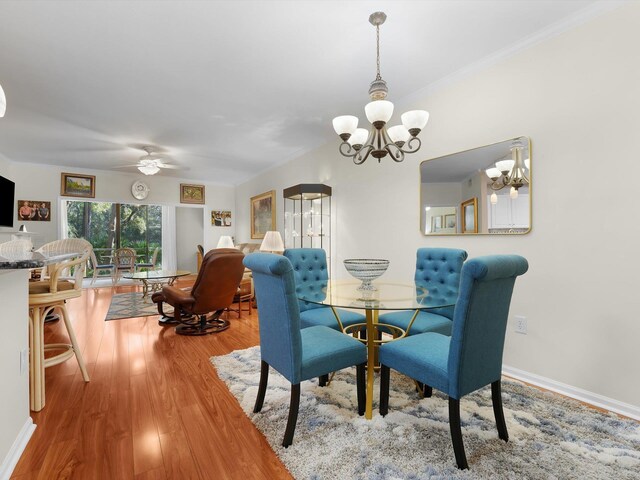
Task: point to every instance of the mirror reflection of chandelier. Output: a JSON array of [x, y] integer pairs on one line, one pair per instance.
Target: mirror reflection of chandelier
[[512, 172], [358, 143]]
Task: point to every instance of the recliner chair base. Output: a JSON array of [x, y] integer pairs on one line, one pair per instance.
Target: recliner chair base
[[203, 326]]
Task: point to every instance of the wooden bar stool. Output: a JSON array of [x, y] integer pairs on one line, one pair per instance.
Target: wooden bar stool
[[45, 297]]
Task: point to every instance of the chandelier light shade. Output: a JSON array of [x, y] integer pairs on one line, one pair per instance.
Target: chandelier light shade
[[378, 141], [512, 172], [3, 102], [225, 242], [272, 242]]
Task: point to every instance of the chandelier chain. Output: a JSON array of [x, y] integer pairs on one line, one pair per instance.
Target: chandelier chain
[[378, 77]]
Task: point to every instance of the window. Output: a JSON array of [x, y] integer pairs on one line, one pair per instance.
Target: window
[[108, 226]]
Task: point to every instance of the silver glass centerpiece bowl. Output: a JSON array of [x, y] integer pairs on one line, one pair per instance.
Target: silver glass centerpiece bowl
[[366, 270]]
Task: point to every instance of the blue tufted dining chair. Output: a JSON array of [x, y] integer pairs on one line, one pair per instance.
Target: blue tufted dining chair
[[472, 356], [438, 270], [298, 354], [311, 275]]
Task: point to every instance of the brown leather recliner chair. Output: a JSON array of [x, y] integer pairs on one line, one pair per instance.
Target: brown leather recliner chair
[[215, 287]]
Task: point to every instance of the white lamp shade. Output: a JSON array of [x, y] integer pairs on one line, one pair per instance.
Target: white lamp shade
[[379, 111], [359, 137], [272, 242], [493, 173], [527, 163], [494, 198], [513, 193], [3, 102], [505, 165], [415, 119], [398, 133], [225, 242], [149, 169], [345, 124]]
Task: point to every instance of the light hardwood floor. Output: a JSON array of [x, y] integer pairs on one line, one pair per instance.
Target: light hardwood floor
[[154, 408]]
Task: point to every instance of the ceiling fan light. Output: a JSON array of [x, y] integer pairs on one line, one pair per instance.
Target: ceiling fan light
[[398, 133], [505, 166], [345, 125], [378, 111], [415, 119], [359, 137], [149, 169], [3, 102]]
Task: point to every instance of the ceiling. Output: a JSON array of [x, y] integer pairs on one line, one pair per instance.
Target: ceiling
[[228, 88]]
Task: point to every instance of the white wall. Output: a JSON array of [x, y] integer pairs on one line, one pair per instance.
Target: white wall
[[188, 236], [577, 96], [42, 182]]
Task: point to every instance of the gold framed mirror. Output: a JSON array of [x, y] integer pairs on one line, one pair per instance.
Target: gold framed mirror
[[484, 190]]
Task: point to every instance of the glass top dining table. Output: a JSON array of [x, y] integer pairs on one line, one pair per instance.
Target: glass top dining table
[[388, 295]]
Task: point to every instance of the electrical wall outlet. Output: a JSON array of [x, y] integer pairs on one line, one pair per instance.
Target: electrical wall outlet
[[24, 361], [520, 324]]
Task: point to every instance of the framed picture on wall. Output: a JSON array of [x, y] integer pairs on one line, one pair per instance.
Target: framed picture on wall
[[77, 185], [450, 221], [263, 214], [191, 193], [469, 209], [34, 210], [436, 223], [220, 218]]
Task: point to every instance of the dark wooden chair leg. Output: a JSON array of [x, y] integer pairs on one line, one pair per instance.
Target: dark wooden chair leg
[[360, 381], [323, 380], [293, 415], [262, 388], [384, 390], [456, 433], [496, 398], [427, 391]]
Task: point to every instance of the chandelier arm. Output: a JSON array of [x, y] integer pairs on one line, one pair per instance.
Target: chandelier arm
[[347, 153], [410, 150], [396, 157], [359, 159]]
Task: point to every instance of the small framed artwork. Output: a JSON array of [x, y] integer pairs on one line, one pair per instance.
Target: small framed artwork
[[450, 221], [34, 211], [263, 214], [77, 185], [220, 218], [191, 193], [436, 223], [469, 209]]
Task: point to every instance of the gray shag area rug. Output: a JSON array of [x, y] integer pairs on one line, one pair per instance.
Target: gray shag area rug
[[131, 304], [550, 437]]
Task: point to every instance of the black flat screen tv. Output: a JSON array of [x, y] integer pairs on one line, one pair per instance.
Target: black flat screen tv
[[7, 202]]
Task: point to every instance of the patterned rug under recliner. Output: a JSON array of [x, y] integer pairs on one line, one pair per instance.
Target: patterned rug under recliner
[[131, 304], [549, 436]]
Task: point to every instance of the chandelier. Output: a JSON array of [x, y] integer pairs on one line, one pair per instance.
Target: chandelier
[[510, 172], [358, 143]]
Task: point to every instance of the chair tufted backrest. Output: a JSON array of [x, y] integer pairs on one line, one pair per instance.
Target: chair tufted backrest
[[438, 269], [310, 273], [279, 317], [480, 321]]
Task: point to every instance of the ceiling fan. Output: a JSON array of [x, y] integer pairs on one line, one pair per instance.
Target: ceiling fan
[[152, 161]]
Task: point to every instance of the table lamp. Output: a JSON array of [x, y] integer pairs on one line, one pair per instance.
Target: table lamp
[[225, 242], [272, 242]]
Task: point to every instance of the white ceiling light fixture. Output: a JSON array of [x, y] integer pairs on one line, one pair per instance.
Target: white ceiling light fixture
[[358, 143], [3, 102], [511, 172]]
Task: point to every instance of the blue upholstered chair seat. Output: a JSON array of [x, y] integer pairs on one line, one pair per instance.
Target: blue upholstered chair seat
[[324, 316], [325, 350], [424, 322], [422, 357]]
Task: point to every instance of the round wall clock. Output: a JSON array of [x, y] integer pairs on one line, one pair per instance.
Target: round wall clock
[[139, 190]]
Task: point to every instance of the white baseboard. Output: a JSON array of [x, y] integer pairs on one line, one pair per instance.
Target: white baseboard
[[19, 444], [585, 396]]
